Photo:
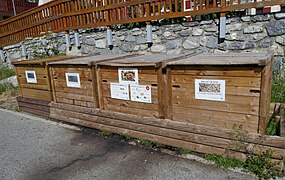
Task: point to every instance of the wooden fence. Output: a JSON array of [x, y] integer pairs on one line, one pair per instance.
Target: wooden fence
[[61, 15]]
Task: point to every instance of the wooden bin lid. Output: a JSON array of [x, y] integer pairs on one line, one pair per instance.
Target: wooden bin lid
[[218, 59], [43, 61], [155, 60], [90, 60]]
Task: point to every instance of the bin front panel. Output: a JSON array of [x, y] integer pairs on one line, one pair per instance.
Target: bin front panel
[[241, 103], [146, 76], [80, 96], [41, 89]]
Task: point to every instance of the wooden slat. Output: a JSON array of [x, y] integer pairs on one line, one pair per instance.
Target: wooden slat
[[37, 94]]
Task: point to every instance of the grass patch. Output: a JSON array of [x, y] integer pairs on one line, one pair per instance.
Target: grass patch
[[6, 72], [224, 162], [278, 91], [105, 133]]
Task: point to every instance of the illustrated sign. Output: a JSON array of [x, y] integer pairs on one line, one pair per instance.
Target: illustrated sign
[[128, 75], [72, 80], [120, 91], [208, 89], [141, 93], [31, 76]]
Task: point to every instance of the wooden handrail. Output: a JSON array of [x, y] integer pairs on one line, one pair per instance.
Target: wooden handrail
[[61, 15]]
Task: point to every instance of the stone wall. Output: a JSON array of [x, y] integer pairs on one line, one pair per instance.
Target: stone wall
[[259, 33]]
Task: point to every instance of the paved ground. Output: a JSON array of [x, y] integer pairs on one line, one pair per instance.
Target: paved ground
[[34, 148]]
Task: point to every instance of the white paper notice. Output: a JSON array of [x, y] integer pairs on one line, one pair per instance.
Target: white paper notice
[[141, 93], [120, 91], [210, 89], [128, 75]]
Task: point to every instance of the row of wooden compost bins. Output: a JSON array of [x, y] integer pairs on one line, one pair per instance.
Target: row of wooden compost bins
[[192, 101]]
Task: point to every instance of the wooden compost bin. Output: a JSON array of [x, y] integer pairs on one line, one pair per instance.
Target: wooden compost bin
[[84, 92], [147, 80], [35, 85], [221, 90]]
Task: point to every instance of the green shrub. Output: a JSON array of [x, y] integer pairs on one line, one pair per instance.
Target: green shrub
[[224, 162], [105, 133], [6, 72], [278, 90]]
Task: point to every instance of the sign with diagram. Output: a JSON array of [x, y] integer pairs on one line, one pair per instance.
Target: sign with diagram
[[31, 76], [209, 89], [128, 75], [120, 91], [141, 93]]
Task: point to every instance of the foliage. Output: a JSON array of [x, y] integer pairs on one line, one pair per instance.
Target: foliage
[[278, 90], [261, 165], [183, 151], [272, 127], [105, 133], [6, 72], [224, 162]]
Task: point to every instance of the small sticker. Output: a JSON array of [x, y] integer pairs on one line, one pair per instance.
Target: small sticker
[[120, 91], [31, 76], [141, 93], [128, 75], [208, 89], [72, 80]]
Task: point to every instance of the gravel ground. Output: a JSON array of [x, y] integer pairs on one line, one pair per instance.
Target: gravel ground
[[34, 148]]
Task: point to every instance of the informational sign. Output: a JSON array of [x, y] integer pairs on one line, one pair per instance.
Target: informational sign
[[209, 89], [120, 91], [128, 75], [31, 76], [72, 80], [141, 93]]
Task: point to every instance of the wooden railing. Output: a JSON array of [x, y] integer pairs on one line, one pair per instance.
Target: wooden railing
[[6, 6], [61, 15]]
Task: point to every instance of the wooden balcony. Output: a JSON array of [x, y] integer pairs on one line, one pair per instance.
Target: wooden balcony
[[61, 15], [6, 7]]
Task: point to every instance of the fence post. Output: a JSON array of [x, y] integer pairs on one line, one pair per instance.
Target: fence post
[[109, 37], [67, 40], [149, 33], [77, 39]]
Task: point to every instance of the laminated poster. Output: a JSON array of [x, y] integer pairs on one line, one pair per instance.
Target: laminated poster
[[72, 80], [141, 93], [120, 91], [208, 89], [128, 75], [31, 76]]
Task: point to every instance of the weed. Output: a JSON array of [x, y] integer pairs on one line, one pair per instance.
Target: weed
[[272, 127], [105, 133], [224, 162], [278, 90], [6, 72], [261, 165], [183, 151]]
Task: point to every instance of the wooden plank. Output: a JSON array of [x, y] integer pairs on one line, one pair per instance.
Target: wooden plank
[[34, 111], [137, 134], [74, 96], [130, 110], [196, 139], [218, 71], [34, 106], [167, 93], [37, 94], [160, 88], [265, 87], [230, 81], [32, 101], [221, 114], [247, 125], [189, 90], [272, 141], [282, 121], [100, 87], [95, 87]]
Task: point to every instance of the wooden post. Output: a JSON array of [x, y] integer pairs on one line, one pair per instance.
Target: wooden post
[[282, 120], [222, 27], [100, 88], [167, 93], [95, 86]]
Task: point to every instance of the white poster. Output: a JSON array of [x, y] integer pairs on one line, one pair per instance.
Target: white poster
[[128, 75], [141, 93], [208, 89], [72, 80], [31, 76], [120, 91]]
